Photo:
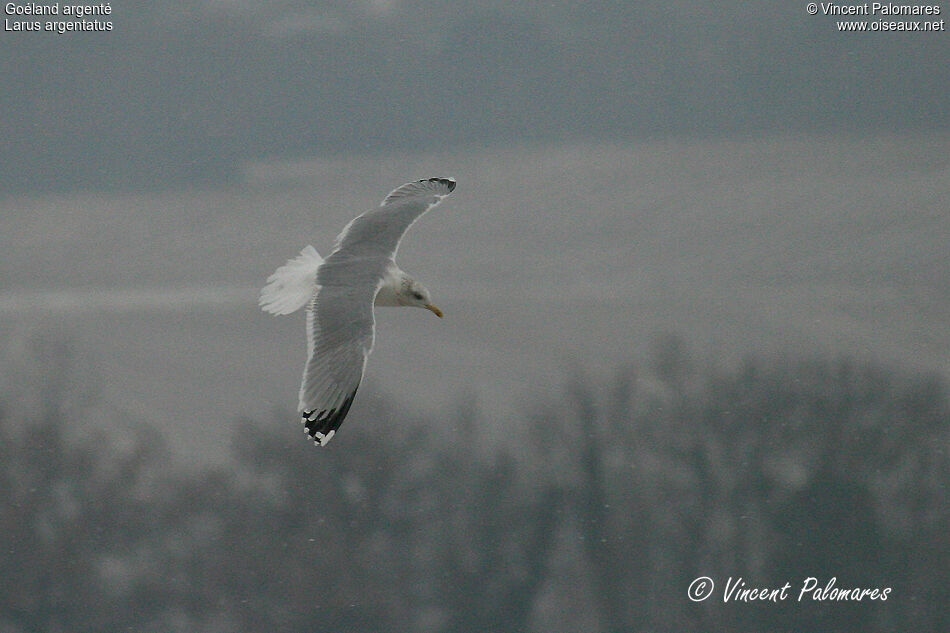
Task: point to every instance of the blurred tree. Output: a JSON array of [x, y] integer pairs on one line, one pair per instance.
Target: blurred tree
[[399, 533], [494, 538], [792, 459], [72, 513], [308, 539], [771, 472], [610, 506]]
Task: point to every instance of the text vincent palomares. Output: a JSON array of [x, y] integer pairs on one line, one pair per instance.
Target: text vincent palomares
[[737, 591], [877, 8]]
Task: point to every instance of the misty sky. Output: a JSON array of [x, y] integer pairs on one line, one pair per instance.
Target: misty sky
[[741, 174], [191, 90]]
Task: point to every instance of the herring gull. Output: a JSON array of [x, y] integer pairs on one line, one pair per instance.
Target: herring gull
[[340, 292]]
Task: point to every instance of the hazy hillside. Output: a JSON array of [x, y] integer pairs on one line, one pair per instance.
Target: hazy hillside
[[545, 257], [186, 91]]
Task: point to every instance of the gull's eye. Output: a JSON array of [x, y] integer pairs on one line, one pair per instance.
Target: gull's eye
[[417, 296]]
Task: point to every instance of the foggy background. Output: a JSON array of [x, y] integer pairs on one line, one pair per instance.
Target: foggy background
[[190, 91], [695, 283]]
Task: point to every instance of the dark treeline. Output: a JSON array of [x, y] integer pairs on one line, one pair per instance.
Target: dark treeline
[[596, 514]]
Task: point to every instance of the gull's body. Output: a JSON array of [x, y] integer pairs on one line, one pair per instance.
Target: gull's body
[[340, 293]]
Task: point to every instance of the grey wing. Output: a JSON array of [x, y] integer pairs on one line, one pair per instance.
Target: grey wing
[[378, 232], [340, 334]]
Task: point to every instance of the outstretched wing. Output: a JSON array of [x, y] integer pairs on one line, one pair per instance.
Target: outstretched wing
[[378, 232], [340, 334]]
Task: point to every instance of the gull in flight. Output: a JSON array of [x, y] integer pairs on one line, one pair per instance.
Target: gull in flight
[[340, 292]]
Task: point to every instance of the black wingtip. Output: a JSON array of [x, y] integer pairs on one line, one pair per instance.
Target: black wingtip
[[448, 182], [321, 427]]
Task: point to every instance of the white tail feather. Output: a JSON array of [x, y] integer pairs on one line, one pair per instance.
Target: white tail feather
[[293, 284]]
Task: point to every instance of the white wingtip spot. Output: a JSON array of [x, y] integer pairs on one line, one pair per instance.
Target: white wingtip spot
[[322, 440]]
